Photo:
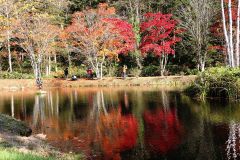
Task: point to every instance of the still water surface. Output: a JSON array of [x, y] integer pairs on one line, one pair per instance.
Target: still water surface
[[130, 124]]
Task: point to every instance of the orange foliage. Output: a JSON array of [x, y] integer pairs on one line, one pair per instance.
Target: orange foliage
[[91, 32]]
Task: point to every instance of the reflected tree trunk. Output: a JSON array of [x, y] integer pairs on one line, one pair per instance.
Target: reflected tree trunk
[[57, 103], [12, 105], [233, 139], [38, 112], [165, 101]]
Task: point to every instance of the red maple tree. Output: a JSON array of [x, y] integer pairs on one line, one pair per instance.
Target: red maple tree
[[158, 36]]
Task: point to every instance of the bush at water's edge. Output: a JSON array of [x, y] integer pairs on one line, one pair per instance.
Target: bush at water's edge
[[221, 82], [13, 126]]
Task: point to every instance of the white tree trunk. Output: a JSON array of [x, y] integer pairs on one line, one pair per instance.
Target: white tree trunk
[[226, 33], [55, 62], [163, 63], [237, 43], [101, 70], [46, 70], [8, 46], [231, 32], [49, 65], [9, 55]]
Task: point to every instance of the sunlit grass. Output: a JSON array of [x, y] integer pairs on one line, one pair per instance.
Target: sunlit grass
[[9, 154]]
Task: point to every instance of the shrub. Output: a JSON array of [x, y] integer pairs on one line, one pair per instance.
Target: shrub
[[135, 72], [216, 82], [151, 70], [80, 72], [111, 70], [15, 75], [58, 74]]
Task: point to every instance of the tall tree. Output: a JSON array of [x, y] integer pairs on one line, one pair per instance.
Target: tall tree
[[196, 19], [7, 16], [35, 34], [99, 36], [230, 24], [158, 37]]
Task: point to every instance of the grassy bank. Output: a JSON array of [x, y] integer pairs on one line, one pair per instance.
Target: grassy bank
[[31, 148], [11, 154], [171, 81], [15, 145]]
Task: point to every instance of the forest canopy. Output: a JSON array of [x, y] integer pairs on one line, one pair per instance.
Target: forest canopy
[[151, 37]]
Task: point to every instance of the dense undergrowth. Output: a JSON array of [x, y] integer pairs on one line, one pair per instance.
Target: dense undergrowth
[[221, 82]]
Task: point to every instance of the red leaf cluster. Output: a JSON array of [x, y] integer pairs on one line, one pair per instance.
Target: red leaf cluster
[[158, 32], [125, 35]]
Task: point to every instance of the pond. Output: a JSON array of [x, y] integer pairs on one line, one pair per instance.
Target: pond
[[129, 124]]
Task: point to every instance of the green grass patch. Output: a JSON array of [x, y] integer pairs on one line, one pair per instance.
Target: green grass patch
[[10, 154]]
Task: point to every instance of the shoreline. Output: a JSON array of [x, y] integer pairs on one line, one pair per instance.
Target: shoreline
[[18, 142], [168, 81]]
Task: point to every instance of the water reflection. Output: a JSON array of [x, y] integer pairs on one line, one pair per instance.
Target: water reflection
[[129, 124], [233, 142], [163, 130]]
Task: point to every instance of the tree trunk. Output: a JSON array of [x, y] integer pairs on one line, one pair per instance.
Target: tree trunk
[[49, 65], [231, 31], [9, 52], [161, 66], [97, 71], [139, 64], [163, 62], [37, 72], [8, 43], [237, 43], [69, 60], [101, 71], [12, 105], [226, 33], [55, 62], [46, 70], [0, 64]]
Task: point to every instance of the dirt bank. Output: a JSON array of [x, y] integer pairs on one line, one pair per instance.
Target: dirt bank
[[172, 81]]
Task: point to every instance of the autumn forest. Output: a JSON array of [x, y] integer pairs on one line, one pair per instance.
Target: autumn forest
[[119, 79], [40, 38]]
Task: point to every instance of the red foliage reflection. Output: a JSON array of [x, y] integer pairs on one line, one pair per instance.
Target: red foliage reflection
[[163, 130], [118, 133]]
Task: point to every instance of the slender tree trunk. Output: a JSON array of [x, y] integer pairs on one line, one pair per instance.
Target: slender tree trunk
[[49, 65], [226, 33], [46, 70], [163, 63], [101, 70], [55, 62], [161, 66], [9, 46], [97, 71], [9, 55], [69, 60], [231, 31], [0, 64], [238, 28], [12, 106]]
